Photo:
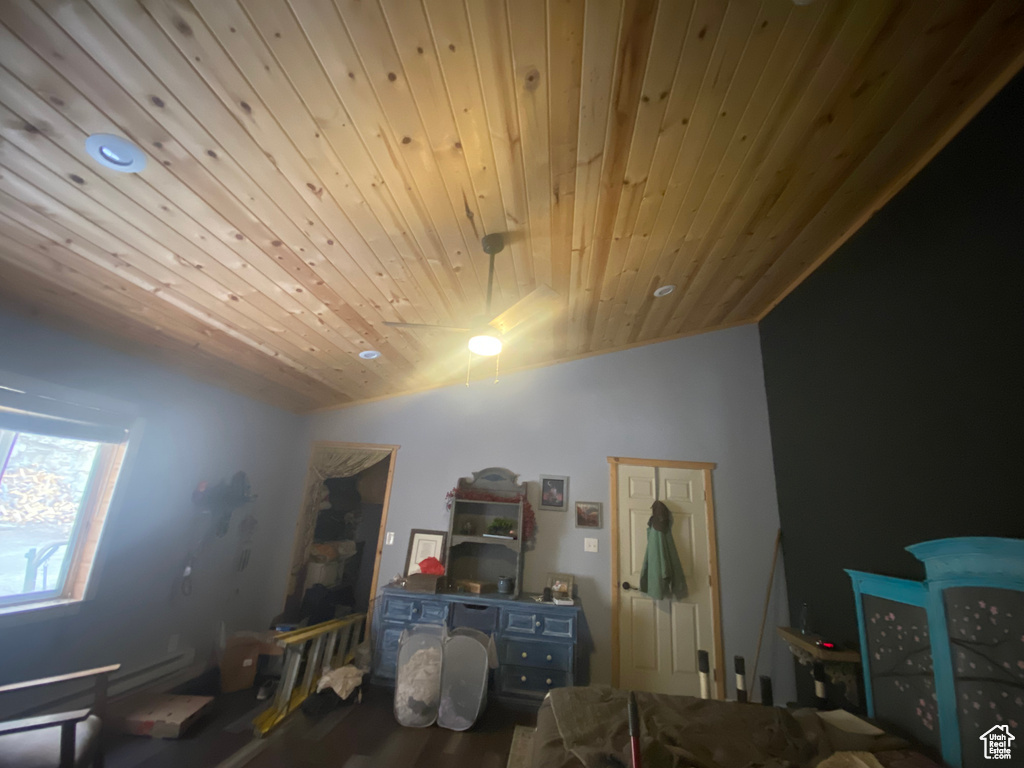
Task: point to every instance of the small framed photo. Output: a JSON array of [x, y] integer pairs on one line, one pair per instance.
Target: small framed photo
[[588, 514], [423, 544], [561, 585], [554, 493]]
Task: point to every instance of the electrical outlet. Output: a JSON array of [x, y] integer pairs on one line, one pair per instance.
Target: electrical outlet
[[590, 545], [389, 539], [172, 643]]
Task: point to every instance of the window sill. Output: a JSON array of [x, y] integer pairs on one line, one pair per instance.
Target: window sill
[[44, 610]]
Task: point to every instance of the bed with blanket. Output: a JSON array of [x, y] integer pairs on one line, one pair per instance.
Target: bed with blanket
[[587, 727]]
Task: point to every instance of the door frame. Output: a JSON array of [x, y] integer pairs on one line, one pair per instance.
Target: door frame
[[304, 509], [614, 463]]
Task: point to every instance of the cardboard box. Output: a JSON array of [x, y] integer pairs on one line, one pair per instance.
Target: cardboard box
[[323, 573], [424, 582], [163, 716], [241, 655], [475, 587]]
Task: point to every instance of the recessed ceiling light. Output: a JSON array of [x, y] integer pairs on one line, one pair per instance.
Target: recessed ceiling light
[[665, 290], [369, 354], [115, 153]]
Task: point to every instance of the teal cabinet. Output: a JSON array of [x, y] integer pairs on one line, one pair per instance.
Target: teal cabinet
[[944, 658]]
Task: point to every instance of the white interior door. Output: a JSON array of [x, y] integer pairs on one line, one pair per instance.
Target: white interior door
[[659, 640]]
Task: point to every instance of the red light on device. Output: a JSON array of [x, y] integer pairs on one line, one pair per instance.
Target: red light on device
[[827, 645]]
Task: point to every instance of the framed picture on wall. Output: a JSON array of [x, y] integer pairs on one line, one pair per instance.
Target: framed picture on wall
[[588, 514], [423, 544], [554, 493]]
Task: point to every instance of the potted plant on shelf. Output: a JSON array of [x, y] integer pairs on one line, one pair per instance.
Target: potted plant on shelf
[[502, 527]]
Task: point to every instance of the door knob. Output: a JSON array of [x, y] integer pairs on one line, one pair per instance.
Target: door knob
[[627, 586]]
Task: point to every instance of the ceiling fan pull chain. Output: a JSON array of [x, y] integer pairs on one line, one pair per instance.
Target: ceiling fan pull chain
[[469, 364], [497, 358], [490, 284]]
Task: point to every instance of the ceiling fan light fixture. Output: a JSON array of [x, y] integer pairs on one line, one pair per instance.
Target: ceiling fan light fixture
[[485, 344]]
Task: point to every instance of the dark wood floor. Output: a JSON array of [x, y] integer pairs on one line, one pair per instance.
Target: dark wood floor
[[359, 736]]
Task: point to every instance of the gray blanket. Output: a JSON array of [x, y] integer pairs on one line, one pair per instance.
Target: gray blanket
[[588, 727], [691, 732]]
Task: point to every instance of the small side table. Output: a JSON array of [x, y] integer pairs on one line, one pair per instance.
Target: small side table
[[841, 666]]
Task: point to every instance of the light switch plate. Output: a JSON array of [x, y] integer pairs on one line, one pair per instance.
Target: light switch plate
[[590, 545], [390, 538]]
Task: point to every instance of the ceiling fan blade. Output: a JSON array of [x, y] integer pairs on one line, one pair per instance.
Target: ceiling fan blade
[[426, 326], [535, 303]]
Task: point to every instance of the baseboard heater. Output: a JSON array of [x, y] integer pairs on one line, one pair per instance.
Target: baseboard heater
[[160, 675]]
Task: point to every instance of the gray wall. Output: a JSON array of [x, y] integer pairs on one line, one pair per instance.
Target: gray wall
[[192, 432], [698, 399]]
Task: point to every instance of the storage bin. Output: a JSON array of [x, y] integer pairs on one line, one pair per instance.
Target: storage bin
[[464, 679], [418, 683]]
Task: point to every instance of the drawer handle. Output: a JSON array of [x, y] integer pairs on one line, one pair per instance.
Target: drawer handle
[[523, 678], [524, 655], [549, 656], [548, 681], [538, 623]]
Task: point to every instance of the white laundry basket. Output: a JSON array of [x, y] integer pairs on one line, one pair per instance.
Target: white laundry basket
[[418, 679], [464, 678]]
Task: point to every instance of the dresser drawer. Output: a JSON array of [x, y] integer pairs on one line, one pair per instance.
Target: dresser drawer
[[530, 681], [525, 653], [387, 651], [520, 622], [559, 626], [420, 610], [538, 624]]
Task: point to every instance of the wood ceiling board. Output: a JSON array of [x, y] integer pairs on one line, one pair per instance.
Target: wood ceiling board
[[848, 119], [354, 302], [58, 304], [82, 69], [938, 114], [313, 166], [394, 279], [671, 26], [436, 53], [487, 38]]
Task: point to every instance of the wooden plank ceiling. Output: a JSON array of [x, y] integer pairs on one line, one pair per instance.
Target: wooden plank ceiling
[[317, 168]]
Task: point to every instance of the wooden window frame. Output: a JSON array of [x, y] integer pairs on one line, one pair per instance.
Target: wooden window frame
[[89, 523]]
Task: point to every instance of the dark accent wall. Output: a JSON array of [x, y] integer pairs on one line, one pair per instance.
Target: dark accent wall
[[893, 375]]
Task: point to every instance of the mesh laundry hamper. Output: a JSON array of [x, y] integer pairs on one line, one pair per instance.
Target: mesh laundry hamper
[[463, 679], [418, 679]]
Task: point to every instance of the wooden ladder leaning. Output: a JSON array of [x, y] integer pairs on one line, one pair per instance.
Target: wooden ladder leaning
[[316, 650]]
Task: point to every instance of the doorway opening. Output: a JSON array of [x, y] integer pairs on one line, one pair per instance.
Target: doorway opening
[[339, 534], [655, 643]]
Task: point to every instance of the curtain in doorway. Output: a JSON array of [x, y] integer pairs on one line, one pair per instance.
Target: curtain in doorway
[[328, 461]]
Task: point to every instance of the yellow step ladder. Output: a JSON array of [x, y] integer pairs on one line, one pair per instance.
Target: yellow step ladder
[[330, 644]]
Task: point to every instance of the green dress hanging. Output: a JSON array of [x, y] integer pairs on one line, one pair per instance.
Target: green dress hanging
[[662, 574]]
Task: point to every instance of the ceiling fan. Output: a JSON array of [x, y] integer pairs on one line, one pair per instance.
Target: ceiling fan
[[486, 339]]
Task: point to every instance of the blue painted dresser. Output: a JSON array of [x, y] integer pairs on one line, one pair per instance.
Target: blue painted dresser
[[538, 643], [944, 658]]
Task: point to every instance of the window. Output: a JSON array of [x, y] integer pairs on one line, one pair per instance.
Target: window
[[60, 455]]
